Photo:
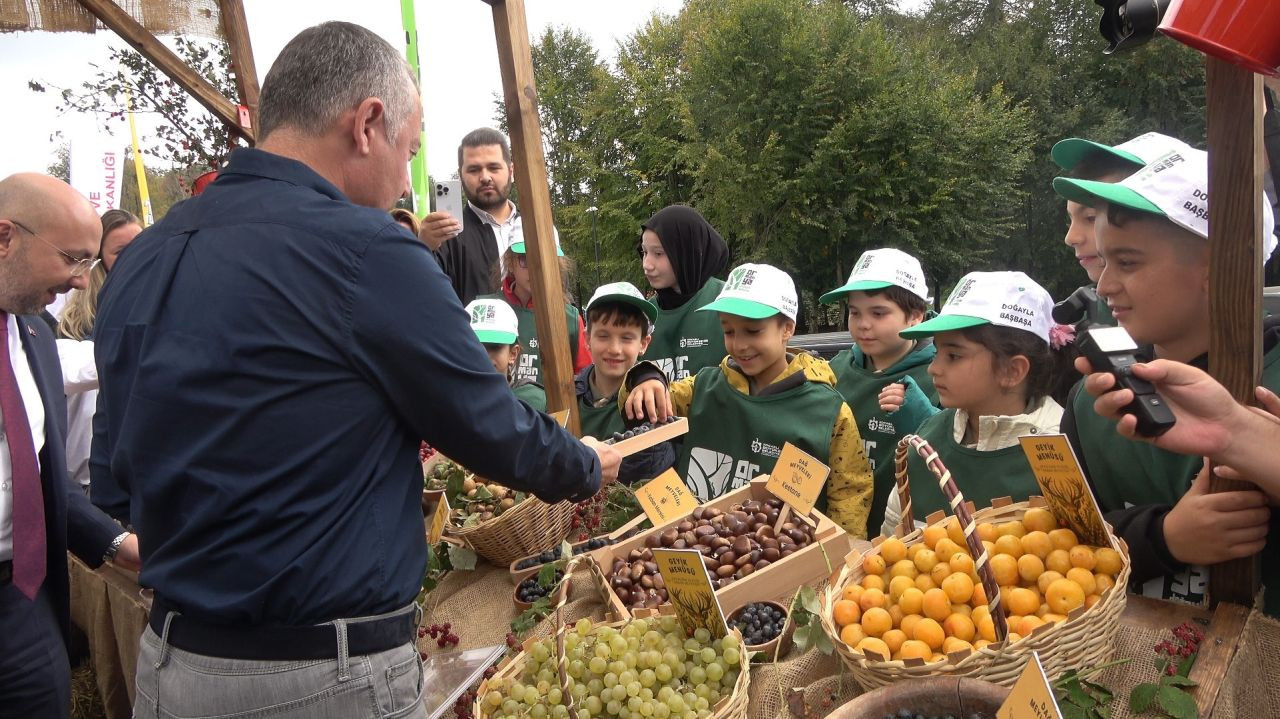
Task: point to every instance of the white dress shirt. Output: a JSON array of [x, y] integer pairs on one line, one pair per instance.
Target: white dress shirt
[[80, 382], [509, 232], [34, 405]]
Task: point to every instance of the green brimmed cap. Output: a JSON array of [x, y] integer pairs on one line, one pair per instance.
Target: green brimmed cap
[[756, 292], [626, 293]]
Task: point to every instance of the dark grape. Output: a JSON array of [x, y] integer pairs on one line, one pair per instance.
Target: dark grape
[[760, 623], [530, 591]]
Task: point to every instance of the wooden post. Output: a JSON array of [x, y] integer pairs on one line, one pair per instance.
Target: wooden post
[[123, 24], [236, 30], [1234, 98], [516, 61]]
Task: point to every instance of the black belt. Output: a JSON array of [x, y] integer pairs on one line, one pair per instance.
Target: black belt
[[318, 641], [6, 572]]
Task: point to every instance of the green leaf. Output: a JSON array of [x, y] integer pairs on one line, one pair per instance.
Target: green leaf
[[823, 642], [1184, 668], [461, 557], [482, 493], [1141, 697], [1100, 691], [566, 551], [1103, 711], [547, 575], [1071, 711], [807, 598], [1079, 696], [1177, 680], [1177, 703]]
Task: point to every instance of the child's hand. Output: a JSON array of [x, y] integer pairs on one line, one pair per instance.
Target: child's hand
[[649, 400], [1204, 528], [892, 397]]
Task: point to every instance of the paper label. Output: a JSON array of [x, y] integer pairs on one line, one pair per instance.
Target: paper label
[[1032, 696], [666, 498], [439, 520], [797, 479], [1064, 487], [690, 590]]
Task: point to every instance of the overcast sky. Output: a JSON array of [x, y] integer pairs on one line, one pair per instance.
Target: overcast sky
[[457, 50]]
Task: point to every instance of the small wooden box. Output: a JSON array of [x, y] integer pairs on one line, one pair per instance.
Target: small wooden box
[[777, 582]]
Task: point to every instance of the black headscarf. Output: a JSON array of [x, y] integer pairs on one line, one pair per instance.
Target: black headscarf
[[696, 251]]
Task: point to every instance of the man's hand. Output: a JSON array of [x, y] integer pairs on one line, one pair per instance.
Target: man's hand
[[649, 400], [437, 228], [892, 397], [127, 556], [610, 459], [1204, 528]]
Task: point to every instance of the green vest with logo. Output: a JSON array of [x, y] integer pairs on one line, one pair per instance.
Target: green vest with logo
[[861, 386], [530, 362], [532, 394], [600, 422], [981, 476], [734, 437], [1125, 473], [685, 340]]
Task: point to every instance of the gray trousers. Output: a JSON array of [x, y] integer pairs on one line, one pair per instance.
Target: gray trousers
[[176, 684]]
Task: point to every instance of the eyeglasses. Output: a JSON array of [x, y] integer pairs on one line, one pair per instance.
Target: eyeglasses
[[78, 266]]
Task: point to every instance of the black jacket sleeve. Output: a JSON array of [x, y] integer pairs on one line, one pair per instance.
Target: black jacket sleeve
[[648, 463]]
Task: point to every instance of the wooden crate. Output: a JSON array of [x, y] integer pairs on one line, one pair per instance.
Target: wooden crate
[[777, 582]]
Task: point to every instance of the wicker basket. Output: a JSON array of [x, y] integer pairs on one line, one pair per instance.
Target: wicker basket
[[1086, 638], [530, 527], [733, 706]]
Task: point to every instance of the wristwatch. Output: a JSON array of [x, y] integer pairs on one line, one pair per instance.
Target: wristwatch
[[110, 554]]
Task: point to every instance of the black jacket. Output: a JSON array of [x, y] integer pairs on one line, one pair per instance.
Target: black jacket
[[471, 259]]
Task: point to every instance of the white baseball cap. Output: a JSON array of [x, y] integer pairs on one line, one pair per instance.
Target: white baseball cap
[[627, 293], [1003, 299], [1139, 151], [877, 269], [1174, 186], [756, 292], [494, 322]]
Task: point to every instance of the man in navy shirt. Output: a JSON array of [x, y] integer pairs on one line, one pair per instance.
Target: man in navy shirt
[[271, 354]]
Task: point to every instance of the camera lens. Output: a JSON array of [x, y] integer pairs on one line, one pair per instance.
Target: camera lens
[[1129, 23]]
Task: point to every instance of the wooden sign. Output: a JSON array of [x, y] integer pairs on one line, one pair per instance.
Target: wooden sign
[[1064, 487], [655, 435], [439, 520], [797, 479], [1032, 695], [690, 590], [561, 418], [666, 498]]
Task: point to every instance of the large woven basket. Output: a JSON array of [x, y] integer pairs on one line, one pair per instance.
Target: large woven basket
[[530, 527], [1085, 639]]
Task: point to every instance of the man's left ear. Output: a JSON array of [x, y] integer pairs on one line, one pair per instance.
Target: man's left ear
[[370, 117]]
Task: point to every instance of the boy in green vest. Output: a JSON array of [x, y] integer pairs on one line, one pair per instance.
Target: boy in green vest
[[761, 396], [496, 327], [1152, 229], [886, 293], [618, 333]]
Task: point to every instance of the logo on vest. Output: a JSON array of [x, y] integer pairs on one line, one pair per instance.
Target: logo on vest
[[693, 342], [879, 425], [768, 450], [533, 343]]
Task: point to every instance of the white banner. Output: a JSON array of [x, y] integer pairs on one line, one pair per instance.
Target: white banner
[[97, 171]]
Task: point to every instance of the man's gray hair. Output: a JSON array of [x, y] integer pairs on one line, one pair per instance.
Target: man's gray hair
[[329, 69]]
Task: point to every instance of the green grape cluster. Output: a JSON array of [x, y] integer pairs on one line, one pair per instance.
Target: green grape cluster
[[647, 669]]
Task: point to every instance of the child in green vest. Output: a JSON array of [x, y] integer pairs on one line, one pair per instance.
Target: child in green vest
[[761, 396], [517, 290], [618, 322], [495, 326], [994, 367], [681, 253], [1152, 229], [886, 293]]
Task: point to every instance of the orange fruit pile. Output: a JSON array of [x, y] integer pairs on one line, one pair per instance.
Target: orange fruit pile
[[926, 600]]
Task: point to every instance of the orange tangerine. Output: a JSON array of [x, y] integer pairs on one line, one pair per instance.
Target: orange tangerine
[[979, 598], [898, 585], [987, 532], [951, 645], [1037, 543], [1011, 529], [873, 598], [980, 612], [1082, 556], [1063, 539], [1052, 618], [872, 645], [1043, 610], [852, 634], [908, 623], [1109, 561], [896, 614], [1091, 600], [915, 549], [1104, 582], [1039, 519], [986, 628], [853, 592], [1045, 579], [930, 632], [940, 572], [1030, 567], [1063, 596], [1058, 561], [932, 534], [1005, 568], [936, 604], [955, 532], [1010, 545], [904, 568], [876, 621], [1021, 601], [893, 550], [980, 643], [961, 562], [964, 609], [959, 587], [873, 564], [845, 612], [1013, 637], [960, 627], [926, 560], [945, 548], [989, 545], [912, 600], [924, 583], [915, 649], [1027, 625], [894, 639], [873, 581], [1084, 578]]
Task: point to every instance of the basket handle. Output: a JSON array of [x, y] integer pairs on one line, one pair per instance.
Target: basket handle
[[562, 596], [903, 481], [952, 492]]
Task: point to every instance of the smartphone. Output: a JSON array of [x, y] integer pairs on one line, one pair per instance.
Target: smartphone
[[448, 198]]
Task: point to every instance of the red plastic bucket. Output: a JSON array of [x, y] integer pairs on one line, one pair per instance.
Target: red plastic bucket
[[1245, 32], [203, 181]]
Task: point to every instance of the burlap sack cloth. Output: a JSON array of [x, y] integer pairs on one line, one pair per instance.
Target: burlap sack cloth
[[108, 607]]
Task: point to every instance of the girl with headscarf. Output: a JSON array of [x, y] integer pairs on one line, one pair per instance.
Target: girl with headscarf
[[681, 254]]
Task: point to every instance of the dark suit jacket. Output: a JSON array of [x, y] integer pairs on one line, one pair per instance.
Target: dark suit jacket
[[471, 259], [72, 523]]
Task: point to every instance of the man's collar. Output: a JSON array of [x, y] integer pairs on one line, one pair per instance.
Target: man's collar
[[260, 163], [489, 219]]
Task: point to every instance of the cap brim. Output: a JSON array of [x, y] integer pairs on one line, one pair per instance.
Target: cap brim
[[1090, 192], [494, 337], [645, 306], [742, 308], [1072, 151], [519, 249], [861, 285], [942, 323]]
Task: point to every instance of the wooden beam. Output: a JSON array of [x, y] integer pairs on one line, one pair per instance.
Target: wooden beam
[[516, 61], [123, 24], [1234, 98], [236, 29]]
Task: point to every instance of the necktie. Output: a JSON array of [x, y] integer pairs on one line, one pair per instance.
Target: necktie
[[29, 554]]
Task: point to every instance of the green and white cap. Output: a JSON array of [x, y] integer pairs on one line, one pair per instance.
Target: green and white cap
[[878, 269], [626, 293], [756, 292], [1174, 186], [1140, 151], [518, 248], [1003, 299], [494, 322]]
